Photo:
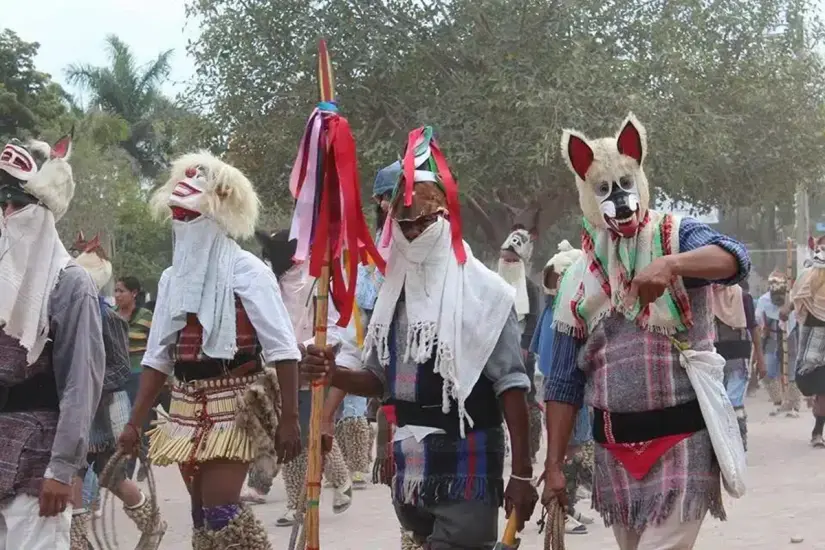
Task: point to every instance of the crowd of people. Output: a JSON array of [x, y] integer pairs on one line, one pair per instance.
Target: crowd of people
[[446, 368]]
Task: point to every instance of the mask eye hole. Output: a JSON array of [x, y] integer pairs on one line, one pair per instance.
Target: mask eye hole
[[626, 183], [603, 189]]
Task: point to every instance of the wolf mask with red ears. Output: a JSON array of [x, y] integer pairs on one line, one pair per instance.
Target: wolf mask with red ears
[[613, 189], [621, 236], [38, 173]]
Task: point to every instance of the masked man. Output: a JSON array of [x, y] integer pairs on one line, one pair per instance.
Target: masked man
[[779, 341], [644, 280], [737, 339], [443, 349], [112, 413], [219, 325], [808, 298], [578, 467], [298, 291], [52, 359], [514, 265]]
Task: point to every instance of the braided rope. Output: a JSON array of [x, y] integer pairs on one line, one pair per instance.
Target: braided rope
[[101, 530], [554, 527]]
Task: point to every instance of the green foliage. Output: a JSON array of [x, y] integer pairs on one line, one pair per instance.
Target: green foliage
[[732, 108], [30, 103], [131, 92]]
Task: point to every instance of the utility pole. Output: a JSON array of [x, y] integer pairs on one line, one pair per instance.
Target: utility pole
[[796, 25]]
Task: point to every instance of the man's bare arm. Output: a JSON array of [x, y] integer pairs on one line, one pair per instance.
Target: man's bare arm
[[711, 263]]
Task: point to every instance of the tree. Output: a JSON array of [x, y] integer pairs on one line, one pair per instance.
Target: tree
[[733, 115], [30, 103], [131, 92]]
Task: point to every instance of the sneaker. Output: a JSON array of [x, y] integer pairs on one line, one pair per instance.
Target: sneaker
[[252, 496], [793, 413], [817, 442], [573, 527], [583, 493], [581, 518], [359, 481], [342, 498], [287, 519]]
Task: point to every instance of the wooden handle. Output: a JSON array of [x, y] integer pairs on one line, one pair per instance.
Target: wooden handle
[[510, 530]]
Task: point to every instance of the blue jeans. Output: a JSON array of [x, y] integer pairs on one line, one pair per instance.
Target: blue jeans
[[90, 488], [736, 384]]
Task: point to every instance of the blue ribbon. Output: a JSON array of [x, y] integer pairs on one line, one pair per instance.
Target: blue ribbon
[[328, 106]]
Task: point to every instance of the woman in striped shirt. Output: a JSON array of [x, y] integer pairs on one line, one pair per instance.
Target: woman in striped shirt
[[128, 297]]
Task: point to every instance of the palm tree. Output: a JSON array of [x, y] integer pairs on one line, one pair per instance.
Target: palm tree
[[131, 92]]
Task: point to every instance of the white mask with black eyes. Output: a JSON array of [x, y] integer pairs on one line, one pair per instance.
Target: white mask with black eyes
[[623, 191]]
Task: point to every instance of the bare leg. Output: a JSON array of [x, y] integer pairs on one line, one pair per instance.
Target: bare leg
[[229, 523]]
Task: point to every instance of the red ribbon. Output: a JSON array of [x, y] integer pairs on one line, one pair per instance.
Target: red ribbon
[[341, 224]]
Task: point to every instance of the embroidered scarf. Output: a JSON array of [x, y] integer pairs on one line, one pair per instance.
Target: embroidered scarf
[[599, 283]]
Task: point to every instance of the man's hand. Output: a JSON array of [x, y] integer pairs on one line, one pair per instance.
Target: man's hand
[[319, 364], [129, 440], [54, 497], [521, 496], [327, 434], [288, 439], [651, 282], [760, 366], [555, 487]]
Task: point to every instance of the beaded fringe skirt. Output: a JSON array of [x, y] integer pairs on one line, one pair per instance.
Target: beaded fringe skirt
[[201, 424]]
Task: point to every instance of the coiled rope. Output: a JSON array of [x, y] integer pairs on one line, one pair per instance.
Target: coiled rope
[[104, 531]]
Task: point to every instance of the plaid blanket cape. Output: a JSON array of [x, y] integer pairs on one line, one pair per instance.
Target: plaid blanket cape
[[442, 468], [631, 370]]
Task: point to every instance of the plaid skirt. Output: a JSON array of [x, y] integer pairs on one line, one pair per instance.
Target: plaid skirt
[[110, 419]]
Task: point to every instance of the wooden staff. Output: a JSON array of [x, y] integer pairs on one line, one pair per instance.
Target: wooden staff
[[314, 466], [784, 333]]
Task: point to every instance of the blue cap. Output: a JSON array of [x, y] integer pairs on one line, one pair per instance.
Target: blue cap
[[387, 179]]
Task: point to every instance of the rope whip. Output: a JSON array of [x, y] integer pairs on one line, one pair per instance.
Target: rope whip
[[106, 526], [552, 522]]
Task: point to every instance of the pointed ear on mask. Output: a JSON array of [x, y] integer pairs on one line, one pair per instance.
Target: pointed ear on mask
[[62, 149], [632, 139], [576, 152]]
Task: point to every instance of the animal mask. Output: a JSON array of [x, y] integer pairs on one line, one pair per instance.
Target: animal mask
[[613, 189], [202, 184], [91, 256], [520, 241], [38, 173]]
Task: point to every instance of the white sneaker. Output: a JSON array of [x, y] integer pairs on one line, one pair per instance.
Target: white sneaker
[[252, 496], [581, 518], [573, 527], [287, 519], [583, 493], [342, 498]]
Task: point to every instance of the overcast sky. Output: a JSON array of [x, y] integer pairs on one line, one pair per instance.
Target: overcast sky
[[73, 31]]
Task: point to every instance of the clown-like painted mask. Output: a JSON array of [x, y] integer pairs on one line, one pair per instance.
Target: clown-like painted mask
[[186, 199], [613, 189]]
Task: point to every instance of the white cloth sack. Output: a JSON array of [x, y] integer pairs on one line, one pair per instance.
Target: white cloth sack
[[706, 372]]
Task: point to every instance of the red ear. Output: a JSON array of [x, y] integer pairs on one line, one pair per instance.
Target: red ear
[[811, 242], [580, 154], [63, 146], [629, 142]]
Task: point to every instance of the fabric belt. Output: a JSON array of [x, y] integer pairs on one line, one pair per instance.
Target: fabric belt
[[734, 349], [37, 393], [408, 412], [644, 426], [188, 371]]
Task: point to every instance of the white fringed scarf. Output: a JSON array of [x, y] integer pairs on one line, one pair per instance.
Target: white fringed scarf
[[200, 281], [31, 259], [458, 309]]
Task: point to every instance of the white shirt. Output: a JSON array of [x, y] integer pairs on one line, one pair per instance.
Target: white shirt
[[257, 287]]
